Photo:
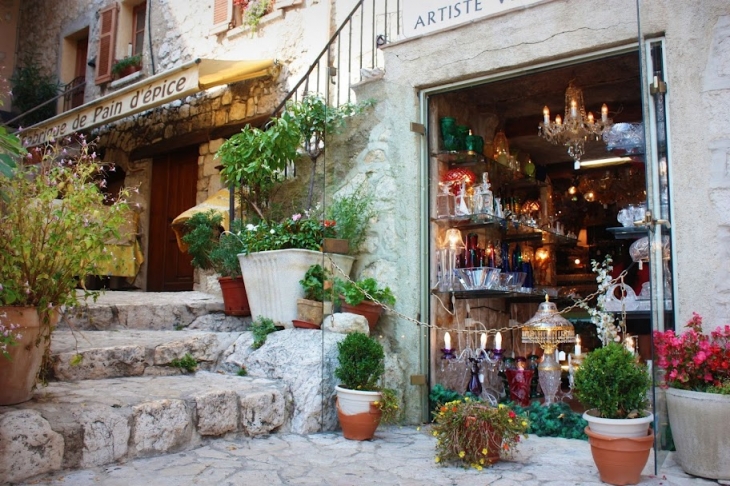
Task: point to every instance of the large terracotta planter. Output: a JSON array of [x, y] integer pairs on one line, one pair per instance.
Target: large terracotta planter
[[272, 280], [620, 460], [358, 417], [700, 424], [369, 310], [18, 374], [235, 300]]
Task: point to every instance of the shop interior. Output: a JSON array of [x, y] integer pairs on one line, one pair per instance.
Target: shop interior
[[504, 197]]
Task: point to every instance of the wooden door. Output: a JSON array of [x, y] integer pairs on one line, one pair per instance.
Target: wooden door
[[174, 185], [82, 50]]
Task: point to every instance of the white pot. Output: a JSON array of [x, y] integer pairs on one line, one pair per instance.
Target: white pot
[[272, 280], [353, 402], [637, 427]]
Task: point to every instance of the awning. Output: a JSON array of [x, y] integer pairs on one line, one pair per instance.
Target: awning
[[220, 202], [148, 93]]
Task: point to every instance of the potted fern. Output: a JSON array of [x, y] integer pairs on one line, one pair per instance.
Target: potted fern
[[362, 404]]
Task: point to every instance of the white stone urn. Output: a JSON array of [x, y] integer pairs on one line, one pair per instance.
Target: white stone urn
[[636, 427], [700, 424], [272, 280]]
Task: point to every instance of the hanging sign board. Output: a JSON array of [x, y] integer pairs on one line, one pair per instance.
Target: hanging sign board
[[424, 16]]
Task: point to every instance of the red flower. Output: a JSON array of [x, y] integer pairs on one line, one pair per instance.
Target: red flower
[[512, 414], [329, 223]]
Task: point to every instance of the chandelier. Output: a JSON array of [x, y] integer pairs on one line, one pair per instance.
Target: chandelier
[[577, 127]]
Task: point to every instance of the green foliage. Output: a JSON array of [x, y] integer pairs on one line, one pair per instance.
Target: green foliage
[[612, 380], [201, 237], [360, 362], [54, 226], [554, 420], [440, 395], [722, 389], [352, 216], [294, 232], [261, 328], [354, 292], [313, 283], [187, 363], [33, 86], [224, 255], [254, 160], [389, 405], [254, 11], [242, 371], [126, 62]]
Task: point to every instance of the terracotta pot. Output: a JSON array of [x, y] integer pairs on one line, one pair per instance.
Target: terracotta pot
[[481, 436], [310, 311], [370, 310], [358, 417], [700, 424], [620, 460], [235, 299], [336, 245], [18, 374]]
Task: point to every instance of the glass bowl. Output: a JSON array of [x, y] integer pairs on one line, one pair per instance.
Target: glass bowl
[[477, 277]]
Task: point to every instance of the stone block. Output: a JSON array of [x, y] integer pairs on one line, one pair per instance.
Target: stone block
[[160, 426], [346, 323], [101, 363], [28, 446], [105, 436], [217, 412], [262, 412]]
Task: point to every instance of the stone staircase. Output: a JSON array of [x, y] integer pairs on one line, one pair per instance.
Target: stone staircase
[[117, 394]]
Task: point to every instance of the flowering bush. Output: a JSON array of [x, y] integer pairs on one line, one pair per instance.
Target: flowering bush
[[604, 321], [296, 232], [475, 433], [8, 336], [693, 360]]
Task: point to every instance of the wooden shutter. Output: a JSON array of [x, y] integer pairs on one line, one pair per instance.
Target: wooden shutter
[[107, 42], [222, 15]]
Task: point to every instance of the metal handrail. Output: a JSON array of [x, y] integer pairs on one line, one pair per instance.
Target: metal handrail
[[63, 93]]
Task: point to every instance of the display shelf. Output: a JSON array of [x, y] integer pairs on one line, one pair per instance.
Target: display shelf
[[628, 232], [507, 295], [460, 158], [512, 231]]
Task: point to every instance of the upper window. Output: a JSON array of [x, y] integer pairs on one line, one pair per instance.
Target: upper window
[[139, 19], [121, 34]]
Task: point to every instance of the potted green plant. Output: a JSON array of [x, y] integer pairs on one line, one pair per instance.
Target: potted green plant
[[361, 402], [697, 388], [364, 297], [46, 209], [311, 307], [612, 385], [127, 65], [213, 249], [475, 433], [351, 215]]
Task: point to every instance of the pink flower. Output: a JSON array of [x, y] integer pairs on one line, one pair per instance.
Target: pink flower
[[699, 358], [296, 217]]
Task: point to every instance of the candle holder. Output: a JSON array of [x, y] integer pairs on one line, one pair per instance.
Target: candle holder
[[448, 353], [475, 385]]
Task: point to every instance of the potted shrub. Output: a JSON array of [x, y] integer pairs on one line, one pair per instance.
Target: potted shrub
[[697, 383], [46, 209], [127, 65], [475, 433], [361, 403], [351, 215], [612, 384], [311, 307], [212, 249], [364, 297]]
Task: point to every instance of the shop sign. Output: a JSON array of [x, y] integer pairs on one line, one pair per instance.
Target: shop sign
[[424, 16]]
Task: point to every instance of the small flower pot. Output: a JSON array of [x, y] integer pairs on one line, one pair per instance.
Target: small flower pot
[[336, 245], [369, 310], [310, 311]]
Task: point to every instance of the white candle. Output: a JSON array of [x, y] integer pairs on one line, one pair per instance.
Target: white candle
[[604, 112], [498, 341], [558, 120], [573, 109], [561, 356], [570, 361], [447, 341], [577, 346], [129, 50], [546, 115], [590, 118], [483, 340]]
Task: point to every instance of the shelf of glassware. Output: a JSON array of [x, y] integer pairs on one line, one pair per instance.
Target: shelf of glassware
[[628, 232], [513, 231], [500, 173], [521, 297]]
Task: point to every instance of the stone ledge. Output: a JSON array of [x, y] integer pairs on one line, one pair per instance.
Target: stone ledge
[[92, 423]]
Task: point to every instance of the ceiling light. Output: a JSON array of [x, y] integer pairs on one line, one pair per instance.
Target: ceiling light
[[577, 127], [606, 161]]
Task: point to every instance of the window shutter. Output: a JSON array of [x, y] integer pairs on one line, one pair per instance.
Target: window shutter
[[107, 41], [222, 15]]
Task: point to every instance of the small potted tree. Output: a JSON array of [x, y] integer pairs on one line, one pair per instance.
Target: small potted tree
[[361, 403], [351, 216], [364, 297], [212, 249], [310, 309], [612, 384]]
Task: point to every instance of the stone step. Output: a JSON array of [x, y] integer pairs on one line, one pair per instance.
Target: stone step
[[95, 422], [153, 311], [112, 354]]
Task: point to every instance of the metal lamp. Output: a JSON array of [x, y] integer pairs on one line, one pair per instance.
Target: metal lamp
[[548, 328]]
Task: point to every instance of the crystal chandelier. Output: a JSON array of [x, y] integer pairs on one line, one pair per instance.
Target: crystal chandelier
[[577, 127]]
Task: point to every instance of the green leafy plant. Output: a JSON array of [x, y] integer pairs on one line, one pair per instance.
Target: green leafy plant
[[351, 214], [8, 336], [313, 283], [360, 362], [202, 231], [295, 232], [187, 363], [554, 420], [242, 371], [355, 292], [612, 381], [261, 328], [32, 86], [389, 405], [476, 434], [47, 209], [440, 395], [254, 10], [10, 145], [127, 62]]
